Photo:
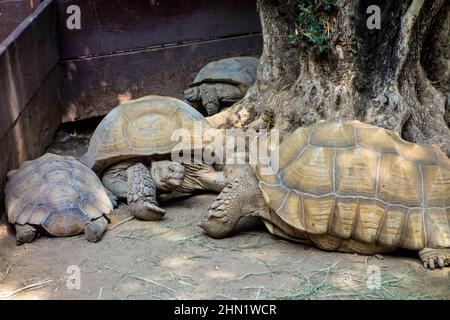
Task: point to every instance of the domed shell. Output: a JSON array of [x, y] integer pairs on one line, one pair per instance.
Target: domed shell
[[240, 71], [55, 192], [356, 181], [143, 127]]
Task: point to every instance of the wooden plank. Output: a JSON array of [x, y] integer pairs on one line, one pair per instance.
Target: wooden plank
[[30, 102], [33, 131], [93, 86], [12, 13], [121, 25], [27, 55]]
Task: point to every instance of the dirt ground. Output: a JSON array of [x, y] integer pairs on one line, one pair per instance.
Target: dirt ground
[[173, 259]]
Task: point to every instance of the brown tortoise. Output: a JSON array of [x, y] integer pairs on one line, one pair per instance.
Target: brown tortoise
[[132, 148], [350, 187], [58, 195]]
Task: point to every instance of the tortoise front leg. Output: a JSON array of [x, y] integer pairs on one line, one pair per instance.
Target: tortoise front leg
[[142, 194], [240, 198], [25, 233], [435, 258]]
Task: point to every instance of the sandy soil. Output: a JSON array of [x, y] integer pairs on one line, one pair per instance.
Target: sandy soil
[[173, 259]]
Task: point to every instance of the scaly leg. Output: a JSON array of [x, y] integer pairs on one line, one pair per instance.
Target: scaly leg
[[433, 258], [25, 233], [142, 194], [201, 176], [240, 198]]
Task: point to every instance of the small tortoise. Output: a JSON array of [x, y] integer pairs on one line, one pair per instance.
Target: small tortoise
[[58, 195], [222, 83], [130, 149], [350, 187]]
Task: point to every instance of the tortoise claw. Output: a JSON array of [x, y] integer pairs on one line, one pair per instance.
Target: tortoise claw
[[435, 258], [155, 208]]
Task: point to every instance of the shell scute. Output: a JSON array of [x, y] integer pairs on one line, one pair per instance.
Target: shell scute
[[421, 154], [368, 220], [64, 222], [393, 226], [436, 187], [25, 214], [61, 193], [312, 172], [144, 127], [376, 139], [333, 135], [39, 215], [356, 170], [292, 211], [294, 145], [274, 195], [437, 228], [343, 218], [318, 212], [399, 181], [414, 236]]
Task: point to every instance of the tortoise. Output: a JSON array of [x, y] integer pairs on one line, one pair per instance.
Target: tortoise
[[222, 83], [131, 149], [346, 186], [57, 195]]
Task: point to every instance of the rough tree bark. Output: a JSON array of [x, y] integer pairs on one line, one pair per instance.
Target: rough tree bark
[[397, 77]]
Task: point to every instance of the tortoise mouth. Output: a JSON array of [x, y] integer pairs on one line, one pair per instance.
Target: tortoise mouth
[[192, 95], [176, 182]]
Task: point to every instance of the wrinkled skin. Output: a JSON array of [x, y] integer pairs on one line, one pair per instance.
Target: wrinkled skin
[[167, 175], [193, 94], [241, 197]]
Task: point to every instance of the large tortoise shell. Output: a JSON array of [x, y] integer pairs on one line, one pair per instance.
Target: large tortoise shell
[[142, 127], [58, 193], [240, 71], [357, 181]]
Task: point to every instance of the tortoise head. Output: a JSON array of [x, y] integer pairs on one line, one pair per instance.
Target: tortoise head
[[210, 98], [192, 94], [167, 174]]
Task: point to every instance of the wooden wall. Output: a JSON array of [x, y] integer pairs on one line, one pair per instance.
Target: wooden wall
[[12, 13], [29, 89], [131, 48]]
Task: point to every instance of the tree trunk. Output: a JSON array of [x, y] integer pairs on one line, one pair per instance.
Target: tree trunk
[[397, 77]]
